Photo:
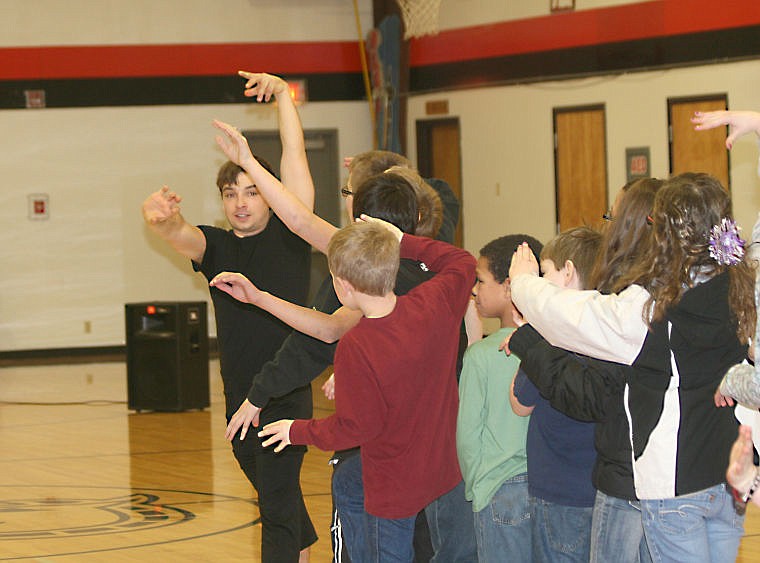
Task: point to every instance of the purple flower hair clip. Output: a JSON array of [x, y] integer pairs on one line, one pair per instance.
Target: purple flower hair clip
[[726, 246]]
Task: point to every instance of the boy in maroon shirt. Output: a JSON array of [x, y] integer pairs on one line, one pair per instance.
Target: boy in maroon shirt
[[396, 393]]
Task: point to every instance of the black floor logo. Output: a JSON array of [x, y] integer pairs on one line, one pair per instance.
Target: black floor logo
[[37, 520], [82, 516]]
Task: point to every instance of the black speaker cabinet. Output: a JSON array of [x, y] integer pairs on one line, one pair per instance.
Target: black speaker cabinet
[[167, 356]]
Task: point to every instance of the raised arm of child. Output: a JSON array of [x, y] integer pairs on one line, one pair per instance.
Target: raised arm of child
[[575, 387], [327, 328], [739, 122], [608, 327]]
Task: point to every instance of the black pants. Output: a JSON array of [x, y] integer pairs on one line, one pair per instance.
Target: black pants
[[286, 528]]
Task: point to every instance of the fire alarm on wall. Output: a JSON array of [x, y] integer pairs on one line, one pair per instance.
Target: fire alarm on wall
[[39, 206]]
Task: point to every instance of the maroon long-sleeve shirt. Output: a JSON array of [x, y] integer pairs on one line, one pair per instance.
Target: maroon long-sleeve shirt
[[396, 391]]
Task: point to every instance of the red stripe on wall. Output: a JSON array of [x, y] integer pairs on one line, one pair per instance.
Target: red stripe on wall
[[129, 61], [644, 20]]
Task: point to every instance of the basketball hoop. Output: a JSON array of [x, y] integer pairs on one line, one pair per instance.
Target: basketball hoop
[[420, 17]]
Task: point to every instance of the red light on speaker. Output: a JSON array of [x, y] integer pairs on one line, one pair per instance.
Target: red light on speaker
[[150, 309]]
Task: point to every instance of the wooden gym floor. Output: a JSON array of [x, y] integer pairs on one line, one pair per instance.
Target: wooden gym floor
[[82, 479]]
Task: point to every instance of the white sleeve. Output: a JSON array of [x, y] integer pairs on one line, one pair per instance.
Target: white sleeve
[[607, 327]]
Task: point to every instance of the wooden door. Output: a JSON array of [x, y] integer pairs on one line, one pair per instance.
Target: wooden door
[[439, 156], [697, 151], [580, 164]]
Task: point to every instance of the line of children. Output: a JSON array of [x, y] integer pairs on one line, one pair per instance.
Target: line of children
[[678, 322], [686, 318]]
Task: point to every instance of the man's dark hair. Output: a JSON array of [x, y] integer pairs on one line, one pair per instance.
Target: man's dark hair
[[388, 197], [499, 253], [229, 172]]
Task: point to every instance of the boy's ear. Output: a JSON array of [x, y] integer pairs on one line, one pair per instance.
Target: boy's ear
[[345, 285], [507, 286], [569, 269], [571, 275]]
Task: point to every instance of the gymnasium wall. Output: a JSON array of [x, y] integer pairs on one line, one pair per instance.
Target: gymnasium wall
[[507, 140], [132, 88], [75, 270]]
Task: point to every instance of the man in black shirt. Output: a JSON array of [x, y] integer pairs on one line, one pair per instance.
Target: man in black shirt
[[262, 247]]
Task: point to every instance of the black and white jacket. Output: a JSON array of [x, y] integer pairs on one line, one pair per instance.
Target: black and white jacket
[[680, 440]]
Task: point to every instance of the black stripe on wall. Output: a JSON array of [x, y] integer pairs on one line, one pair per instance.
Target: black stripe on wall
[[646, 54], [167, 90]]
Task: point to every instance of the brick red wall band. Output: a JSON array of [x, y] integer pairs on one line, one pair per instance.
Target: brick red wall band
[[645, 35]]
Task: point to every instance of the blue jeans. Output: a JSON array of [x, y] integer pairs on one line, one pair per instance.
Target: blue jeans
[[452, 528], [348, 497], [502, 528], [390, 540], [560, 532], [701, 526], [368, 539], [617, 533]]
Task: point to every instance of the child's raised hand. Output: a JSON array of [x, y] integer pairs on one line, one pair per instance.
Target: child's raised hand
[[392, 228], [233, 143], [739, 122], [523, 262], [237, 285], [278, 432], [473, 324]]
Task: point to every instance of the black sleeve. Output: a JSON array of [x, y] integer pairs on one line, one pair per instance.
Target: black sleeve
[[299, 360], [577, 386]]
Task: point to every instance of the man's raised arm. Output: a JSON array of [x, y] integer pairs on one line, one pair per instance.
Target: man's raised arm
[[294, 166], [162, 214]]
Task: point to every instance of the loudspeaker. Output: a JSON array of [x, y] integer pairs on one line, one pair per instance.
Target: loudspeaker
[[167, 356]]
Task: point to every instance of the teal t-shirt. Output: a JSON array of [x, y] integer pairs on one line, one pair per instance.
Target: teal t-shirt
[[490, 437]]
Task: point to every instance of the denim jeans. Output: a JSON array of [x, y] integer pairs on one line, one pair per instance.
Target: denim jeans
[[560, 532], [502, 528], [452, 528], [617, 533], [701, 526], [390, 540], [348, 497]]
